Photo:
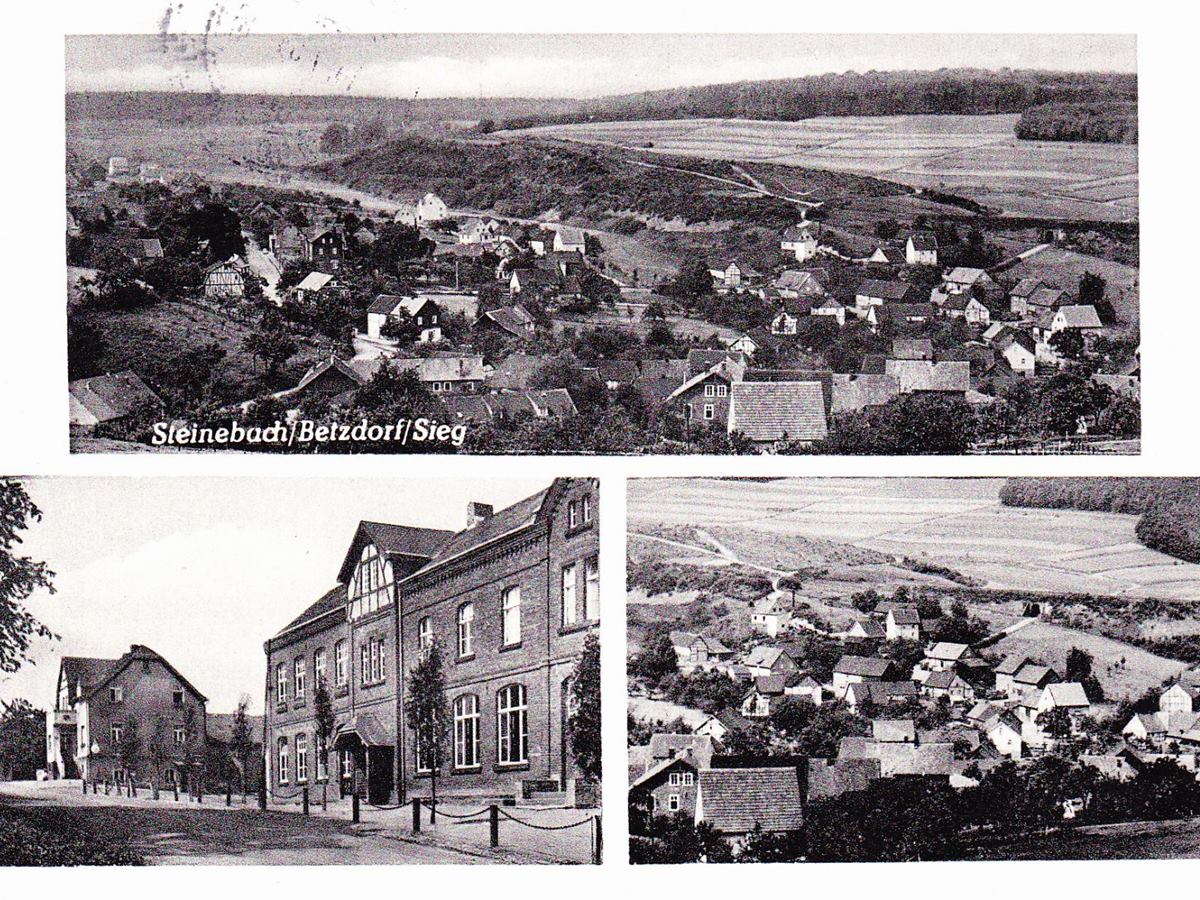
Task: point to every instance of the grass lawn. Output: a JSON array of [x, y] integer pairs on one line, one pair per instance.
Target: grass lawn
[[1178, 839]]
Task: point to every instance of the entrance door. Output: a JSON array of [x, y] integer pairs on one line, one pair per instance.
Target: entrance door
[[379, 775]]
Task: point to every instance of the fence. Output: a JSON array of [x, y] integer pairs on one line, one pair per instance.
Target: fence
[[494, 813], [1090, 445]]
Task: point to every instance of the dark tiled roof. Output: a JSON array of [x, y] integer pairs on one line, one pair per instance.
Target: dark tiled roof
[[864, 666], [520, 514], [406, 539], [735, 801], [332, 599], [113, 396], [885, 290], [87, 671]]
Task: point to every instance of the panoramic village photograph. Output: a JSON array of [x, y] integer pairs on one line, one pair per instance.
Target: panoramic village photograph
[[886, 669], [293, 671], [634, 244]]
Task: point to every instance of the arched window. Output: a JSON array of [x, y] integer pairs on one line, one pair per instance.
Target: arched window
[[424, 634], [466, 731], [510, 620], [466, 629], [512, 726]]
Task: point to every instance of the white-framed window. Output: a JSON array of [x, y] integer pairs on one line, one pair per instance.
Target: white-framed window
[[319, 666], [570, 605], [710, 390], [676, 778], [340, 663], [572, 514], [322, 758], [510, 617], [347, 765], [466, 629], [512, 726], [424, 634], [281, 683], [591, 588], [710, 411], [283, 760], [722, 390], [466, 731], [179, 737], [673, 803], [116, 694], [300, 672], [364, 663], [301, 758], [689, 778], [118, 732], [586, 503]]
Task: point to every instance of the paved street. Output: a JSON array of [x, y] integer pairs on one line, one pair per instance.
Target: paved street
[[170, 832]]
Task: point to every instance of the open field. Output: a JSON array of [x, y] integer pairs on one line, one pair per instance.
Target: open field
[[1063, 268], [978, 156], [1124, 670], [1178, 839], [958, 523]]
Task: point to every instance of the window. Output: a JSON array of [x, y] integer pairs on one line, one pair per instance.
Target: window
[[510, 624], [371, 586], [118, 731], [339, 663], [512, 726], [116, 694], [586, 502], [710, 390], [347, 765], [570, 607], [319, 666], [722, 390], [301, 758], [280, 683], [179, 737], [177, 697], [591, 589], [673, 803], [322, 759], [710, 411], [423, 762], [572, 514], [466, 731], [424, 634], [364, 663], [676, 778], [283, 760], [689, 778], [373, 661], [466, 629], [299, 679]]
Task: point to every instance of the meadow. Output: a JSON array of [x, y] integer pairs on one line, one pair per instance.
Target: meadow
[[977, 156]]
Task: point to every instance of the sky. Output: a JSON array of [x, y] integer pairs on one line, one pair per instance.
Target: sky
[[545, 65], [204, 570]]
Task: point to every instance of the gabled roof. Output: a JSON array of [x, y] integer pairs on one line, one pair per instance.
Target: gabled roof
[[1080, 316], [1047, 296], [1011, 664], [661, 766], [102, 398], [736, 801], [728, 369], [1025, 287], [666, 746], [889, 730], [947, 651], [922, 375], [905, 615], [141, 653], [332, 600], [865, 666], [763, 656], [770, 685], [701, 361], [912, 348], [392, 540], [863, 391], [923, 240], [870, 628], [773, 410], [86, 671], [797, 232], [570, 234], [801, 282], [941, 680], [1032, 673], [965, 275], [1067, 693], [884, 290], [314, 281], [513, 319]]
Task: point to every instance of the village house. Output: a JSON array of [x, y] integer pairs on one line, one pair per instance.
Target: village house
[[1065, 695], [448, 373], [740, 802], [697, 650], [765, 693], [886, 256], [877, 694], [511, 321], [831, 307], [324, 246], [311, 286], [1081, 319], [926, 377], [669, 786], [132, 718], [1178, 713], [903, 624], [1031, 298], [534, 282], [768, 617], [766, 660], [797, 284], [1031, 676], [967, 307], [110, 398], [719, 724], [799, 241], [1006, 670], [509, 599], [734, 275], [226, 279], [947, 684], [873, 292], [704, 398], [864, 630], [1019, 352], [961, 279], [1004, 731], [851, 670], [921, 249], [286, 242], [417, 212], [422, 312], [509, 405], [569, 239]]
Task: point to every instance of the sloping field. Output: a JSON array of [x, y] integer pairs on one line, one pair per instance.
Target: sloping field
[[954, 522], [1063, 268], [974, 155], [1125, 671], [1178, 839]]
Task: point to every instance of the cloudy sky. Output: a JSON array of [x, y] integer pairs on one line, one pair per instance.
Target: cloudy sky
[[203, 570], [546, 65]]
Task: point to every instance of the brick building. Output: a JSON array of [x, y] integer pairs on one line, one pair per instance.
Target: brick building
[[102, 705], [509, 598]]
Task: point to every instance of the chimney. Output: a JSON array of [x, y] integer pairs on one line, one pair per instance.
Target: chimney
[[478, 512]]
